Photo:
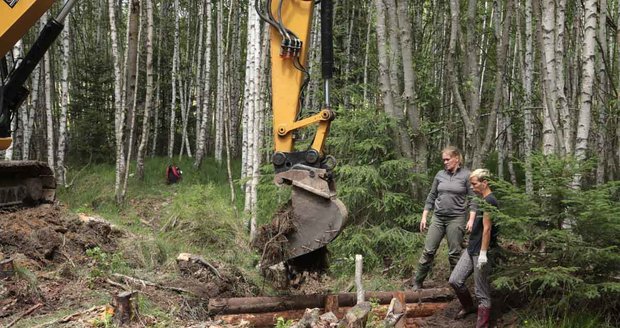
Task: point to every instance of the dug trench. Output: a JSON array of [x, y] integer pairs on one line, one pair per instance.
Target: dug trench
[[55, 271]]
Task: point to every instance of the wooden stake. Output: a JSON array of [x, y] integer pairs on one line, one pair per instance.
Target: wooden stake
[[358, 278]]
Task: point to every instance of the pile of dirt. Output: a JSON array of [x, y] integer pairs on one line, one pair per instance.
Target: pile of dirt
[[43, 248], [47, 235]]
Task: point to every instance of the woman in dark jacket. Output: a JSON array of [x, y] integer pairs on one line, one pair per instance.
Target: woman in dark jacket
[[449, 200]]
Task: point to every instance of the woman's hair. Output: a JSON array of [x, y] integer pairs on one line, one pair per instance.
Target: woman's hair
[[480, 174], [453, 152]]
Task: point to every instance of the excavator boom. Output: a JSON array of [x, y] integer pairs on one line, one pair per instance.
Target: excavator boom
[[315, 214]]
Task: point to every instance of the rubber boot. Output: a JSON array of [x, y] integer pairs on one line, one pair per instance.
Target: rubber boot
[[467, 303], [483, 317], [420, 275]]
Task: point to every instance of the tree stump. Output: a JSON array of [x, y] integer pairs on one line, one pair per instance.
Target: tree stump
[[357, 316], [310, 319], [124, 308], [396, 313], [7, 269]]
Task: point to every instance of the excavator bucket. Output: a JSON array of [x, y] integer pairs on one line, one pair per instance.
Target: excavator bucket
[[311, 220], [317, 220], [26, 183]]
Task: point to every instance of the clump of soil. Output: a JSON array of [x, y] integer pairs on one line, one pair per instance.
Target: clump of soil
[[47, 246], [47, 235], [271, 238]]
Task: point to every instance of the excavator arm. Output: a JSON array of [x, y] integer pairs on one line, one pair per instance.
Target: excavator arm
[[316, 214], [23, 181]]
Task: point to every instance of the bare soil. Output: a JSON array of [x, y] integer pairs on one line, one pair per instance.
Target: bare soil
[[48, 246]]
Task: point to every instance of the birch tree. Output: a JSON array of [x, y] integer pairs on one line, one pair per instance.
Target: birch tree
[[17, 52], [528, 130], [603, 90], [48, 107], [250, 115], [175, 65], [119, 112], [206, 89], [64, 102], [587, 82], [220, 103], [148, 101]]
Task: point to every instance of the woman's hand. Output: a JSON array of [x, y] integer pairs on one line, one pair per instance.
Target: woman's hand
[[470, 225], [423, 225], [482, 259]]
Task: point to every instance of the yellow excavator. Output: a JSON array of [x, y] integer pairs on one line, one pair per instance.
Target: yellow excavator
[[23, 182], [316, 216]]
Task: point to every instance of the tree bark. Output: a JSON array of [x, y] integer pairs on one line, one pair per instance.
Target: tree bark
[[206, 90], [175, 65], [119, 111], [64, 103], [528, 129], [148, 101], [585, 96], [299, 302]]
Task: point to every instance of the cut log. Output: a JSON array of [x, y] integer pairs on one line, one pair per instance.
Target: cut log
[[269, 319], [300, 302], [332, 304]]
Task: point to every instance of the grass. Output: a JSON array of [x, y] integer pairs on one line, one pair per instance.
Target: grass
[[574, 320]]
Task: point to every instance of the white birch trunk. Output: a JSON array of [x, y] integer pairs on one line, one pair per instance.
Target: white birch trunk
[[17, 52], [564, 119], [250, 111], [199, 76], [156, 124], [552, 129], [587, 72], [219, 117], [49, 108], [527, 89], [206, 90], [603, 89], [119, 117], [64, 103], [134, 94], [175, 63], [148, 101]]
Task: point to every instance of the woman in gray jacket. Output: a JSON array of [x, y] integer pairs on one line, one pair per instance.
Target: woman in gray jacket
[[449, 200]]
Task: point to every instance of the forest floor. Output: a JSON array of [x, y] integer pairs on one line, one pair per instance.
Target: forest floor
[[64, 270]]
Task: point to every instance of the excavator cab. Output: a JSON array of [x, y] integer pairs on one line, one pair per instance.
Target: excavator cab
[[314, 216]]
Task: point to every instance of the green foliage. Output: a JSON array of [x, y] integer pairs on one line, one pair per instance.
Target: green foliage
[[574, 320], [382, 247], [104, 264], [563, 247], [373, 182], [283, 323], [92, 120]]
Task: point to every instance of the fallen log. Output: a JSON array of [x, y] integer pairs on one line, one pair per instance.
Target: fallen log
[[300, 302], [269, 319]]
